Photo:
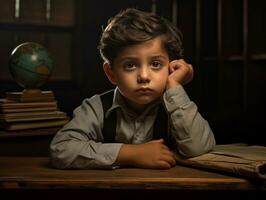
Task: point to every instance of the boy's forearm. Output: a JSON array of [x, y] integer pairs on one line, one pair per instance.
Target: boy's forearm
[[127, 155]]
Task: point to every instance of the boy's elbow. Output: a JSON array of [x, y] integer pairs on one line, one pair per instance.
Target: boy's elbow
[[57, 161], [191, 152], [194, 148], [59, 158]]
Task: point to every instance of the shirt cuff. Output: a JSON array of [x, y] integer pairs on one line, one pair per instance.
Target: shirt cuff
[[175, 98], [100, 155], [110, 153]]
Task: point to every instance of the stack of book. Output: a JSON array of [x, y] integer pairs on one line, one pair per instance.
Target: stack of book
[[20, 115]]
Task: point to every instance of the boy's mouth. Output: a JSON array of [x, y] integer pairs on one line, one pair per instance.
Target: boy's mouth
[[144, 90]]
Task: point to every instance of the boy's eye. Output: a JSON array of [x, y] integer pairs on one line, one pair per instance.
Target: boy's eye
[[156, 64], [129, 66]]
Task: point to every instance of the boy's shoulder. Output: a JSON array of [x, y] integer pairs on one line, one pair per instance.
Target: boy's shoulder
[[104, 99], [93, 101]]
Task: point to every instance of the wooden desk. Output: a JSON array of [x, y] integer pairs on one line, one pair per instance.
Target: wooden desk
[[32, 142], [33, 174]]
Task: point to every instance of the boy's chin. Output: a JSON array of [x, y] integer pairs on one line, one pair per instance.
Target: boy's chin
[[145, 101]]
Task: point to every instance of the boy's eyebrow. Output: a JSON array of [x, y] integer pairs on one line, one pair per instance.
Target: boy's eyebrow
[[159, 57], [151, 57], [129, 57]]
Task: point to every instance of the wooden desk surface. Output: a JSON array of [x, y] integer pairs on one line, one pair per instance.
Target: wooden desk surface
[[35, 172]]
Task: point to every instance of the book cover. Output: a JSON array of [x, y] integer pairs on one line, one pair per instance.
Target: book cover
[[19, 110], [10, 104], [32, 125], [31, 96], [31, 116]]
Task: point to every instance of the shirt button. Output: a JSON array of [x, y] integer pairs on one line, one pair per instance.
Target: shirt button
[[170, 100]]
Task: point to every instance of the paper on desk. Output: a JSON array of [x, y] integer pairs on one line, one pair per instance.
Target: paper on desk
[[240, 159]]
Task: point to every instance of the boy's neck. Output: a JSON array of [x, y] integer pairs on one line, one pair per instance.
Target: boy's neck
[[137, 108]]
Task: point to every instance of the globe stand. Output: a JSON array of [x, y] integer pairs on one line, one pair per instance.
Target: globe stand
[[30, 95]]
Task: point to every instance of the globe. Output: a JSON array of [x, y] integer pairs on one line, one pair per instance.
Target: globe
[[30, 65]]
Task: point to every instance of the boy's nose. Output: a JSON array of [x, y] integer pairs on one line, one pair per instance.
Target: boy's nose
[[143, 75]]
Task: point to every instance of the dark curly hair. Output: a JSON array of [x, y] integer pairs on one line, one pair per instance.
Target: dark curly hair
[[132, 26]]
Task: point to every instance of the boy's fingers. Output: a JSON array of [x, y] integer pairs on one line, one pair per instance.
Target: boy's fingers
[[164, 165], [157, 141], [170, 160], [168, 152], [174, 65], [182, 64], [165, 147], [168, 156]]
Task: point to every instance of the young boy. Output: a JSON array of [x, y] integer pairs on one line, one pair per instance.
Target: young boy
[[142, 56]]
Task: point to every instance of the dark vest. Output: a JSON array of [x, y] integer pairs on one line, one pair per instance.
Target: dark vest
[[160, 127]]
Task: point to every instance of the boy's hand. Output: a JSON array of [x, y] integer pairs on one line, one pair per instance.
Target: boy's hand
[[180, 72], [153, 154]]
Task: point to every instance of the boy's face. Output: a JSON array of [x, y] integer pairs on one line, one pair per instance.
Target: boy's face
[[140, 72]]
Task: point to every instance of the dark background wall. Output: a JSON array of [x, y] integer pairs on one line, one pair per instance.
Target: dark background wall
[[224, 40]]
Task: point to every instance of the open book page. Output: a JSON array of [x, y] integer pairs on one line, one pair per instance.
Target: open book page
[[238, 159]]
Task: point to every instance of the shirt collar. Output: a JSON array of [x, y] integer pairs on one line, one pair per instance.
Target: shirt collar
[[115, 103]]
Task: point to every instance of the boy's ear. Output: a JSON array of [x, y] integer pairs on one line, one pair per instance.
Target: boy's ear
[[109, 72]]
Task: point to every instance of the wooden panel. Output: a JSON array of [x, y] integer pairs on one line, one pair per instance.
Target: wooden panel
[[257, 26], [29, 36], [142, 5], [231, 84], [186, 16], [33, 11], [32, 142], [7, 11], [186, 22], [26, 146], [7, 45], [232, 28], [256, 89], [62, 12], [164, 8], [60, 48], [209, 30], [209, 95]]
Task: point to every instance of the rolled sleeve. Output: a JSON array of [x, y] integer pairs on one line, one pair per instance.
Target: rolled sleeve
[[101, 155], [190, 130], [175, 98]]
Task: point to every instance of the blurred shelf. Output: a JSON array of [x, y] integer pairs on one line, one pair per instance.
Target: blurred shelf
[[235, 58], [35, 27], [258, 57]]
